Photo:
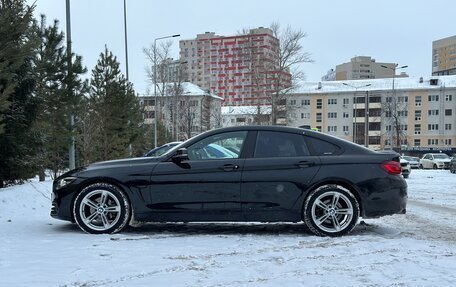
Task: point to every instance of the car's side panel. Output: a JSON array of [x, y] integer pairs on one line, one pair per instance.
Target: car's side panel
[[200, 190], [271, 186]]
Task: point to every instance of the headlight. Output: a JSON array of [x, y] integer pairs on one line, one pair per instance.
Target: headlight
[[64, 181]]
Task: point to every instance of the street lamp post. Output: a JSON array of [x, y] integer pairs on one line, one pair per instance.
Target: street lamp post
[[366, 118], [394, 68], [155, 84]]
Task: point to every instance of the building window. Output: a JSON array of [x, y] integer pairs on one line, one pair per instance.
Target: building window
[[418, 129], [402, 113], [433, 141], [433, 98], [433, 112], [346, 115], [318, 118], [388, 128], [417, 115], [332, 115], [318, 128], [346, 101], [448, 112], [319, 103], [448, 127], [374, 140], [292, 102], [305, 102], [305, 115], [332, 128], [433, 127], [417, 142], [345, 128], [403, 99], [375, 126], [448, 98], [418, 101], [447, 141], [332, 101]]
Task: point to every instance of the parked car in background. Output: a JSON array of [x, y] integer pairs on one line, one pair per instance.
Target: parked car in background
[[405, 167], [413, 161], [280, 174], [435, 161], [453, 165], [160, 150]]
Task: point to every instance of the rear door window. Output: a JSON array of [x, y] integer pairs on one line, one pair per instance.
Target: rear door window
[[321, 147], [280, 144]]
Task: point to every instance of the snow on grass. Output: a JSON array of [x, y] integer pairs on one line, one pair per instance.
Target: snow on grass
[[416, 249]]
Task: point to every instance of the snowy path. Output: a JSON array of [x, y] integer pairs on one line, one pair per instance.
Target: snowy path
[[416, 249]]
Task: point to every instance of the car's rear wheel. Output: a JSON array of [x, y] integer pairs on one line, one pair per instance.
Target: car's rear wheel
[[434, 166], [331, 210], [421, 166], [101, 208]]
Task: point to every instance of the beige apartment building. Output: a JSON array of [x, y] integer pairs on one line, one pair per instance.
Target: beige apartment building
[[418, 115], [242, 69], [444, 56], [362, 67]]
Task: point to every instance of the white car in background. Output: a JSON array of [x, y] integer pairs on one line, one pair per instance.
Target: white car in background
[[413, 160], [405, 166], [435, 161]]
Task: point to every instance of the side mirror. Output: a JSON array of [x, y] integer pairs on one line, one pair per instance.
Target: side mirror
[[180, 156]]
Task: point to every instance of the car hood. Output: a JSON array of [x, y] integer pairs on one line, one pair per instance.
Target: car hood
[[119, 163], [122, 162]]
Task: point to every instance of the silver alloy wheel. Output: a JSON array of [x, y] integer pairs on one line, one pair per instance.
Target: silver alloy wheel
[[332, 211], [100, 209]]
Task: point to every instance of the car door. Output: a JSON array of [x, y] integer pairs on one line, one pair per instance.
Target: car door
[[203, 188], [427, 161], [276, 175]]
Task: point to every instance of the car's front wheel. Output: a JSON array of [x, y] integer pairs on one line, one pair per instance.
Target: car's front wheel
[[331, 210], [101, 208]]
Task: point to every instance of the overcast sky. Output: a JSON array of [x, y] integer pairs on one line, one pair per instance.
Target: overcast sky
[[387, 30]]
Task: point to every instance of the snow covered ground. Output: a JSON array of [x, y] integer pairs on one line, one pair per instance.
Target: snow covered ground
[[416, 249]]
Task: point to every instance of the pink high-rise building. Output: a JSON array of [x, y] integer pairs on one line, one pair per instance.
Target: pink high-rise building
[[242, 69]]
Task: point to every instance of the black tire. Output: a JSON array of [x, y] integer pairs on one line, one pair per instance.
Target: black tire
[[101, 208], [434, 166], [421, 166], [320, 212], [405, 175]]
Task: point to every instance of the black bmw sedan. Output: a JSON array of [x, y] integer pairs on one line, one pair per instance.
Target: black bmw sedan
[[249, 173]]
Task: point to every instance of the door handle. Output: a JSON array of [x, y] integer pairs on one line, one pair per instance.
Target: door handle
[[305, 163], [229, 167]]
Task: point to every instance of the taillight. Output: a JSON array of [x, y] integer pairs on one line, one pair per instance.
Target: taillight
[[392, 167]]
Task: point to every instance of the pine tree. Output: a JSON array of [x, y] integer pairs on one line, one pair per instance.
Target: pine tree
[[115, 110], [56, 104], [17, 104]]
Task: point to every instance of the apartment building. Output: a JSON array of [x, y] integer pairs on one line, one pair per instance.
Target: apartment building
[[419, 114], [363, 67], [185, 110], [444, 56], [242, 69]]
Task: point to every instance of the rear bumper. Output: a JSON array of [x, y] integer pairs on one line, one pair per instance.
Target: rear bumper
[[385, 196]]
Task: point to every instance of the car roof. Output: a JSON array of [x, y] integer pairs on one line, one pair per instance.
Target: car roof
[[346, 145]]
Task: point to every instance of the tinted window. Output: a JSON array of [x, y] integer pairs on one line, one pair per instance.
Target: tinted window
[[225, 145], [321, 147], [277, 144]]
